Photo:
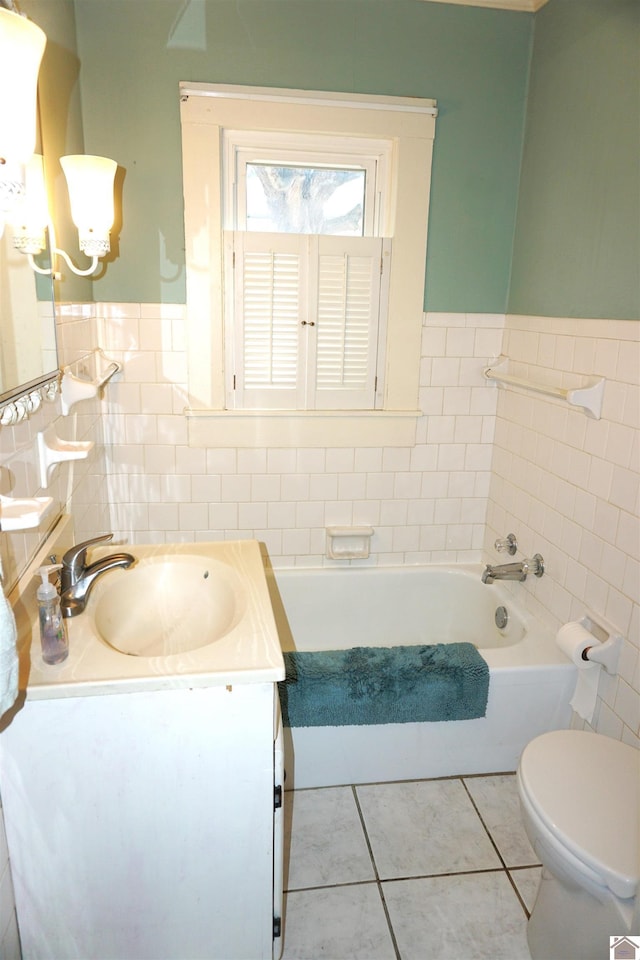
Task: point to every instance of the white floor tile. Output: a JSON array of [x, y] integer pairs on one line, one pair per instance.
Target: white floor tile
[[336, 923], [497, 801], [324, 839], [473, 916], [422, 828], [527, 881]]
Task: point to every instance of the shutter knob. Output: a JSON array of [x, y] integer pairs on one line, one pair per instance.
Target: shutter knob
[[307, 323]]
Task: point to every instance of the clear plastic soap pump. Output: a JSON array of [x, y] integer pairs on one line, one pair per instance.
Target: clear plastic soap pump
[[53, 632]]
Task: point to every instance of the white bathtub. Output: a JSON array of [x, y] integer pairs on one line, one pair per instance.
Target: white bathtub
[[531, 681]]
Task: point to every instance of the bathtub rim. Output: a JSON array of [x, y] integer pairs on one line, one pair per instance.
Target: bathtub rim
[[536, 650]]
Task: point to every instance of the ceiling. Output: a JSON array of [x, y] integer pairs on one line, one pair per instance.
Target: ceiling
[[524, 6]]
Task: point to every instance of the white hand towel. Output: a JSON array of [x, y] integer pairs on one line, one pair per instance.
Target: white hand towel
[[8, 652]]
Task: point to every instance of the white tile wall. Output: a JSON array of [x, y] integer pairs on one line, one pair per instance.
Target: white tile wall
[[565, 484], [79, 485], [569, 487], [426, 503]]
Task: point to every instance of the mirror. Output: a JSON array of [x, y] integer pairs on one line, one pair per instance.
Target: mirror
[[28, 354]]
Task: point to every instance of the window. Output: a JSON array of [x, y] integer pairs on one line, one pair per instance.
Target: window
[[305, 274], [297, 183], [304, 329], [292, 198]]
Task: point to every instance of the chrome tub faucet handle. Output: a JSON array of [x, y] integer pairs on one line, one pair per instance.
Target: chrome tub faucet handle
[[508, 544]]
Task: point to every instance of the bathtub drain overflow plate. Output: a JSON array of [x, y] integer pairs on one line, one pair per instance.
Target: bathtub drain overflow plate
[[501, 617]]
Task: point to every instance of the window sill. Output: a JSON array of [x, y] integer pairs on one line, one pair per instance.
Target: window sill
[[302, 428]]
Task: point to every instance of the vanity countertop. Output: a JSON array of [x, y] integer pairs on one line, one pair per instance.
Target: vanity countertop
[[248, 653]]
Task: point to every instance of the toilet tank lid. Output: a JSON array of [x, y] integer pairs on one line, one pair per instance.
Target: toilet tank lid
[[585, 788]]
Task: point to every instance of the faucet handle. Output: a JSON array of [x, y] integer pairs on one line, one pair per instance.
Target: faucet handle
[[507, 545], [535, 565], [74, 559]]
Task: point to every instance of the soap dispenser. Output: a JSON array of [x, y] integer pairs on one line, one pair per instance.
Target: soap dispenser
[[53, 633]]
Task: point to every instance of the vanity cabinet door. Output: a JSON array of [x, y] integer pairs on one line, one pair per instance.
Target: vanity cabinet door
[[141, 825]]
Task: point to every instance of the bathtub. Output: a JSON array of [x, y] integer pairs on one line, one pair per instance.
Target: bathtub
[[530, 686]]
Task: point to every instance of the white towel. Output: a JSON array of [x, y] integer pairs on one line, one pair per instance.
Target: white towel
[[8, 652]]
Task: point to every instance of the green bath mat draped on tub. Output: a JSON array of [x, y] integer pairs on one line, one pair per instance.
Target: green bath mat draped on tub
[[362, 685]]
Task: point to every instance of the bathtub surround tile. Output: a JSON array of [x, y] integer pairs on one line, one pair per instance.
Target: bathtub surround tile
[[338, 923], [497, 802], [420, 828], [476, 915], [583, 515], [553, 469], [325, 841], [221, 461], [347, 485]]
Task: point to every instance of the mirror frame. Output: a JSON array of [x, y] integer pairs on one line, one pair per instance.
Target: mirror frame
[[27, 387]]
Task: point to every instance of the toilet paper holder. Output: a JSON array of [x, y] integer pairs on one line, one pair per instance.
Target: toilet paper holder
[[607, 642]]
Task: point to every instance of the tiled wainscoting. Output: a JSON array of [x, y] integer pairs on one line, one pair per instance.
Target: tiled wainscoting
[[569, 487], [487, 461], [426, 502]]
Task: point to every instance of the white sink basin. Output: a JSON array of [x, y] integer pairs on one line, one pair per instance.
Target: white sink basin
[[186, 615], [168, 605]]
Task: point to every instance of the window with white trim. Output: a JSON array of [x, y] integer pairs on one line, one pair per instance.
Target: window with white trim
[[315, 319], [305, 273]]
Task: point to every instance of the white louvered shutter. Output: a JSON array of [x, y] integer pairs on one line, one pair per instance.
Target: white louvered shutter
[[306, 320], [347, 295], [270, 302]]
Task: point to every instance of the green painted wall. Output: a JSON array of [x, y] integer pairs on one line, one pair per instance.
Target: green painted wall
[[577, 242], [474, 61]]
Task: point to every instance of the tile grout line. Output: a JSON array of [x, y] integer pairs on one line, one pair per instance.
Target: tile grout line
[[495, 847], [377, 876], [403, 879], [382, 783]]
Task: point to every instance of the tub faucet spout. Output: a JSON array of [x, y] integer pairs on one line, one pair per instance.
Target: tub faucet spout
[[77, 577], [514, 571]]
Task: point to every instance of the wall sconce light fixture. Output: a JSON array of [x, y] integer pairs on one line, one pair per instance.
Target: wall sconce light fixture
[[22, 44], [23, 195], [90, 185]]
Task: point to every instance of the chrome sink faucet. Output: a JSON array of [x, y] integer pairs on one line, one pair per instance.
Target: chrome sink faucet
[[77, 578], [514, 571]]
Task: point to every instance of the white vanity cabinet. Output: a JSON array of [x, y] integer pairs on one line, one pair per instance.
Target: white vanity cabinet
[[141, 824]]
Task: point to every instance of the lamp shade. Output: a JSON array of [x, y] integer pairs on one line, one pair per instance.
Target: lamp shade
[[30, 217], [22, 44], [90, 184]]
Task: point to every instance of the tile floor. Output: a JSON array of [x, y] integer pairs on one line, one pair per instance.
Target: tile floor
[[416, 870]]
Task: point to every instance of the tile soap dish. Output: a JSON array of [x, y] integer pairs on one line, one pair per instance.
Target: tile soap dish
[[22, 513], [348, 543], [52, 450], [85, 377]]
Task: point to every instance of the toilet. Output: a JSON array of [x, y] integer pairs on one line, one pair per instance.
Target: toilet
[[580, 796]]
